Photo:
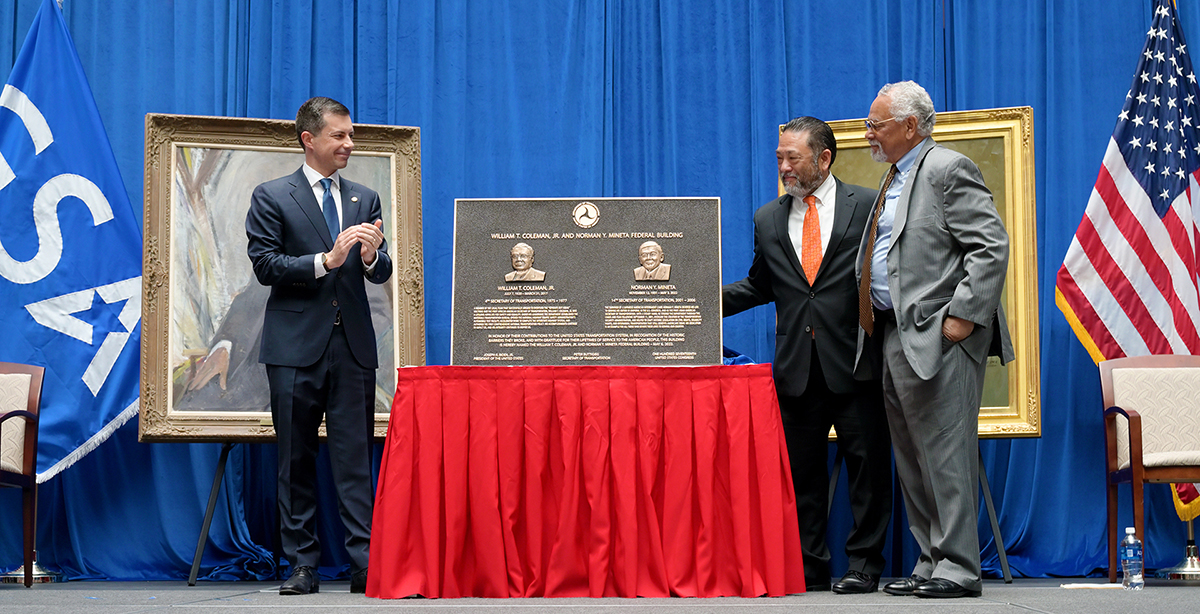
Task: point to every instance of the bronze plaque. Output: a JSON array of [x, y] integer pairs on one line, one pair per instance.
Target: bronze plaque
[[600, 281]]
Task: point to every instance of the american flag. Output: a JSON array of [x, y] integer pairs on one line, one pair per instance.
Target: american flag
[[1128, 284]]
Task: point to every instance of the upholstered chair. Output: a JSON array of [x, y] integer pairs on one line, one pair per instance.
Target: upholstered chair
[[20, 397], [1151, 430]]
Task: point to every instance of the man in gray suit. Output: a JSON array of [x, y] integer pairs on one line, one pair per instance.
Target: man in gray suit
[[933, 262]]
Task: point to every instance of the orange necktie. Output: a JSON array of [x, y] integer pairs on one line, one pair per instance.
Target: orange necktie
[[810, 240]]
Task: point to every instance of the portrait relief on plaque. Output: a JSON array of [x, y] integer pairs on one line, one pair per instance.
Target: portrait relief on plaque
[[522, 264], [650, 254]]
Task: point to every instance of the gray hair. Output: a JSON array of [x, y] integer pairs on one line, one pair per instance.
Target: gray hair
[[911, 100]]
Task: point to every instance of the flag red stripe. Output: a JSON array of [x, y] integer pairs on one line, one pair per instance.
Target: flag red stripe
[[1131, 228], [1101, 337], [1187, 492], [1118, 285], [1195, 257], [1160, 275], [1184, 325]]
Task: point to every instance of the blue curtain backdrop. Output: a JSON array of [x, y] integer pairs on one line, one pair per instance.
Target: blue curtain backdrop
[[617, 98]]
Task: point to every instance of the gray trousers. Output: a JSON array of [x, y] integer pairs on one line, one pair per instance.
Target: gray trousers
[[935, 436]]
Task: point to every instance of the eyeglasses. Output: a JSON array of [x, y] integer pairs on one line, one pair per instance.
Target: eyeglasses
[[875, 124]]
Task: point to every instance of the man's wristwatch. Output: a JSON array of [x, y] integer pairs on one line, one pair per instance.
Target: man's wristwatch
[[324, 261]]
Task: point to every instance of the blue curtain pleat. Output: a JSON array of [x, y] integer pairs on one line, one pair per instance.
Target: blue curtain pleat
[[614, 98]]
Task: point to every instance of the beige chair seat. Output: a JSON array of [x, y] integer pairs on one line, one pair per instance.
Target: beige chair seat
[[1168, 459]]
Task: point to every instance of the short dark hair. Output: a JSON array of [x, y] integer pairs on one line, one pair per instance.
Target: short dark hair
[[311, 116], [820, 135]]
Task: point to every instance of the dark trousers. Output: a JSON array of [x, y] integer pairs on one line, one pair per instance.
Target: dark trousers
[[338, 389], [862, 437]]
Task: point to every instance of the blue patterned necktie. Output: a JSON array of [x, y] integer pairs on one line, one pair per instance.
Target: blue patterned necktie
[[330, 209]]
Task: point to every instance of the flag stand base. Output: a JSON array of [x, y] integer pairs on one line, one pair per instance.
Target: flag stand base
[[41, 575], [1189, 569]]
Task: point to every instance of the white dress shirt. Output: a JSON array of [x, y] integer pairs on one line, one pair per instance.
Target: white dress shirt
[[314, 181], [826, 194]]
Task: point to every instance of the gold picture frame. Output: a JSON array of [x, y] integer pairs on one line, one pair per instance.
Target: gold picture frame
[[200, 301], [1000, 142]]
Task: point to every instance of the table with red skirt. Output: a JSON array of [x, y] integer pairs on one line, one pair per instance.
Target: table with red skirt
[[566, 481]]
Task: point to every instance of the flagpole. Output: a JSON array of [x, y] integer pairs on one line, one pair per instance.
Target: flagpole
[[40, 574]]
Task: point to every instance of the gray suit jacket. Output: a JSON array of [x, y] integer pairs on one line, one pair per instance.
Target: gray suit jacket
[[949, 257]]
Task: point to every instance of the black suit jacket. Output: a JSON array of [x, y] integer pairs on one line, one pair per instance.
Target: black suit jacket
[[829, 306], [286, 230]]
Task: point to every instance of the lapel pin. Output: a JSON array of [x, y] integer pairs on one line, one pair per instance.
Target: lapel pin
[[353, 199]]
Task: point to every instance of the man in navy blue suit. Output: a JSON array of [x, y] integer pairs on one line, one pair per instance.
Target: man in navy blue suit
[[314, 239]]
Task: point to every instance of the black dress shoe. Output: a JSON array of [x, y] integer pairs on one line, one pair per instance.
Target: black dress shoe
[[358, 581], [815, 586], [855, 582], [904, 586], [943, 588], [304, 580]]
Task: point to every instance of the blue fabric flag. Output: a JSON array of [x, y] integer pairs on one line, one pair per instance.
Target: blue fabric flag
[[70, 249]]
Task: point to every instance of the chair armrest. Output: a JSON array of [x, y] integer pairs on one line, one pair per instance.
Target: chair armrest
[[18, 413], [1135, 440], [1115, 409]]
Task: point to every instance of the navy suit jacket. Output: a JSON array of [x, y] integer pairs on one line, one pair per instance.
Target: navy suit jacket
[[829, 306], [286, 230]]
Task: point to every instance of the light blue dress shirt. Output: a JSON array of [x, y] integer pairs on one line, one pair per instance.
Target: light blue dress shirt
[[881, 296]]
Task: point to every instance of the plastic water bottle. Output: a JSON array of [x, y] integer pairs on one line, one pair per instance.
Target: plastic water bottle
[[1131, 561]]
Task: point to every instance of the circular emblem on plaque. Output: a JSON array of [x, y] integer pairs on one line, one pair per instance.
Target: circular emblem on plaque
[[585, 215]]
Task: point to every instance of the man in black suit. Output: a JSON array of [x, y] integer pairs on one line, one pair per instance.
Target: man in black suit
[[314, 239], [805, 244]]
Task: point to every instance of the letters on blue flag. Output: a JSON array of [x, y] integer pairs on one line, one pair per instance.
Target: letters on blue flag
[[70, 249]]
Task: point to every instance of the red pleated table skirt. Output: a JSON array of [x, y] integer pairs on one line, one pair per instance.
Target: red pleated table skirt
[[585, 482]]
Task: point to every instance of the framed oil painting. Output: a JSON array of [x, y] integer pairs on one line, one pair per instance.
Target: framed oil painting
[[202, 308], [1000, 142]]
